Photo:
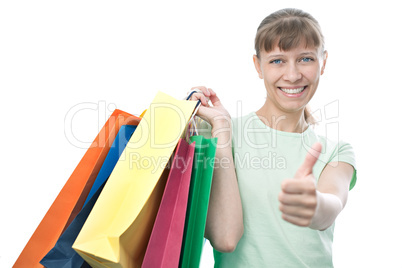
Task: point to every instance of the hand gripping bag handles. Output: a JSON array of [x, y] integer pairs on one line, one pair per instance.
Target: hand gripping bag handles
[[197, 207], [118, 228], [72, 196], [163, 250], [62, 255]]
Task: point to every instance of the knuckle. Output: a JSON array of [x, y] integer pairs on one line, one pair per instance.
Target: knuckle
[[199, 88], [306, 222], [196, 96], [303, 222], [310, 214], [281, 197], [281, 207], [310, 202], [285, 184], [310, 187]]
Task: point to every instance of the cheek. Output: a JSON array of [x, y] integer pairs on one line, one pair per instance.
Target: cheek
[[313, 74], [271, 76]]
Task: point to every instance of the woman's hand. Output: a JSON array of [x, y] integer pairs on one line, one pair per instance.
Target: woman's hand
[[215, 114], [298, 199], [224, 226]]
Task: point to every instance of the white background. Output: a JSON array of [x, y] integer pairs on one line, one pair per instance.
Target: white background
[[55, 55]]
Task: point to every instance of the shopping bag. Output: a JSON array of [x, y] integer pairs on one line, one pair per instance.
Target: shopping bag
[[120, 142], [72, 196], [62, 254], [118, 228], [198, 200], [163, 250]]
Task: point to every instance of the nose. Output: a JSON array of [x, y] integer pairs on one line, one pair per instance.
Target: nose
[[292, 73]]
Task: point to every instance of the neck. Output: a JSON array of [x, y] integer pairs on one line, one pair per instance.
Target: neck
[[281, 120]]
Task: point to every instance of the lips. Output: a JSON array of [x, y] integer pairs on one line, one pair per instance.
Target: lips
[[293, 90]]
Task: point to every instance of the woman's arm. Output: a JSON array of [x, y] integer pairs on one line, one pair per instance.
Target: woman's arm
[[224, 226], [305, 204], [332, 194]]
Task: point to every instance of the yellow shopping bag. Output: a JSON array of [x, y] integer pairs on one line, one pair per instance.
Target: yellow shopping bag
[[118, 228]]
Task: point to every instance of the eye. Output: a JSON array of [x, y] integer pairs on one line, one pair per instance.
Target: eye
[[306, 59], [276, 61]]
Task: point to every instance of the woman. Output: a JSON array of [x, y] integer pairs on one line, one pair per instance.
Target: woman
[[277, 187]]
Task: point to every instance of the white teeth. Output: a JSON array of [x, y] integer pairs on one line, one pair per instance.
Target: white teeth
[[292, 91]]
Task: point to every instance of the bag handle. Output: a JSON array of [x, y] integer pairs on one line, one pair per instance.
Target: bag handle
[[192, 124]]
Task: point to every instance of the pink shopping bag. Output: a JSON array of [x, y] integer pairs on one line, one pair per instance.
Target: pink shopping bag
[[164, 245]]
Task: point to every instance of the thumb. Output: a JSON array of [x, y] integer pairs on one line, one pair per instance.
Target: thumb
[[311, 158]]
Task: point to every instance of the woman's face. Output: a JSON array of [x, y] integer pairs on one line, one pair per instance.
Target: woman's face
[[291, 77]]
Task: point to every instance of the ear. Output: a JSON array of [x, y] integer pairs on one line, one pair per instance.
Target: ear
[[257, 65], [325, 56]]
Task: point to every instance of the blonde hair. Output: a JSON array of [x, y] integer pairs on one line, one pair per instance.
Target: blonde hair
[[287, 29]]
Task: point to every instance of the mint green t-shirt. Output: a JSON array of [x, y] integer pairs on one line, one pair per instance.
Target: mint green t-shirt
[[264, 157]]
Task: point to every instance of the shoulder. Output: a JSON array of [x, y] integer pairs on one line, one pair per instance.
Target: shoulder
[[238, 124], [244, 121], [336, 151]]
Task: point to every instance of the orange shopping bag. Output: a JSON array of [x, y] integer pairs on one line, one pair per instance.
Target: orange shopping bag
[[72, 196]]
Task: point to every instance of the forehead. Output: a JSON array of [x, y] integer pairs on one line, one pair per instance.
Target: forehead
[[301, 49]]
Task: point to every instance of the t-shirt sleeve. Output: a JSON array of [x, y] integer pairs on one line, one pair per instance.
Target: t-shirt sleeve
[[345, 153]]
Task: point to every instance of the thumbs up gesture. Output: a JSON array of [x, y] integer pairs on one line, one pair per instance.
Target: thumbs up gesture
[[298, 198]]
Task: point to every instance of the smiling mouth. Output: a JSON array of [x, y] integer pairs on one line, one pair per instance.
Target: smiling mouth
[[293, 90]]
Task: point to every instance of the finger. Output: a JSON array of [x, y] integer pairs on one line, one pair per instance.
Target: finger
[[297, 200], [297, 211], [212, 91], [291, 186], [215, 100], [201, 97], [204, 90], [311, 158], [296, 220], [210, 94]]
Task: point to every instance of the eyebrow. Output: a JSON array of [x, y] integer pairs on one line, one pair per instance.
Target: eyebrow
[[274, 56], [307, 53]]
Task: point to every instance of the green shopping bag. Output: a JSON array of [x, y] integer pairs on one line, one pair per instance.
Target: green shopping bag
[[198, 200]]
